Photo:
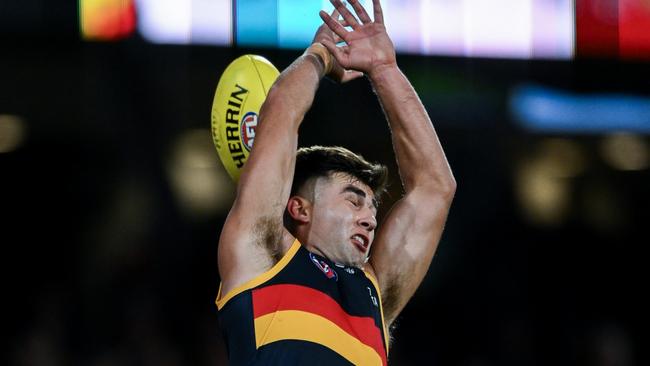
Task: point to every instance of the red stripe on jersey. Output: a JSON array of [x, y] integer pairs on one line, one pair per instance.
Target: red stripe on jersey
[[274, 298]]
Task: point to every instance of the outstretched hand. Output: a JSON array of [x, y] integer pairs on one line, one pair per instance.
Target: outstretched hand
[[368, 47], [325, 35]]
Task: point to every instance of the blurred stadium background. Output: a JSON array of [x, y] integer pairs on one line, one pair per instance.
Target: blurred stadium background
[[113, 196]]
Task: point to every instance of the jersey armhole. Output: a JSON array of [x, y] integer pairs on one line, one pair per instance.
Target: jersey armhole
[[260, 279], [381, 306]]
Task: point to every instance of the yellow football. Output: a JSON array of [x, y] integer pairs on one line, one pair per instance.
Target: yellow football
[[242, 89]]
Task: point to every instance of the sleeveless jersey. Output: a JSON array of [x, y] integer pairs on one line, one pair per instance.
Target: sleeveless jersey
[[305, 310]]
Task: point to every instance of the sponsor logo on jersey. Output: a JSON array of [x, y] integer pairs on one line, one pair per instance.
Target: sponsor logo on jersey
[[324, 267]]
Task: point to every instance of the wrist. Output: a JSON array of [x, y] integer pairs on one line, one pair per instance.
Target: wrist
[[322, 54], [378, 72]]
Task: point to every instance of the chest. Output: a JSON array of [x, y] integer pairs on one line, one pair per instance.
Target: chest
[[348, 287]]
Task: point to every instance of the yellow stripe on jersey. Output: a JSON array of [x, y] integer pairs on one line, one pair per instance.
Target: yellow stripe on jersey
[[381, 306], [300, 325], [261, 278]]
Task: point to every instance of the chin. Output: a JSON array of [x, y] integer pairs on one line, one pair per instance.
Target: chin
[[358, 262]]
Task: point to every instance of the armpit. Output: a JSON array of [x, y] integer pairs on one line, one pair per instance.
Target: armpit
[[267, 232]]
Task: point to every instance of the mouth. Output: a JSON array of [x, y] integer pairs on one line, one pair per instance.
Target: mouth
[[360, 242]]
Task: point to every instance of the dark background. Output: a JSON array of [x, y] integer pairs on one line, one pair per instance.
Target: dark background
[[105, 264]]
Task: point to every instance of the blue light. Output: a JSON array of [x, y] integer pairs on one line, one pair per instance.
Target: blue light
[[257, 23], [544, 109], [297, 22], [277, 23]]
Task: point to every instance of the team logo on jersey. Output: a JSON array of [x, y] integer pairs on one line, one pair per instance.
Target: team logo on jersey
[[248, 126], [324, 267]]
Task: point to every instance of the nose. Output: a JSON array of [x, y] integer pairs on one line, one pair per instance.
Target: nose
[[368, 221]]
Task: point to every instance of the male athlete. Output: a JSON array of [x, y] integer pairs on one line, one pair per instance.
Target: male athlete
[[305, 279]]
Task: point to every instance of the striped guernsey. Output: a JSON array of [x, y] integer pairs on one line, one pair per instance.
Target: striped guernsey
[[305, 310]]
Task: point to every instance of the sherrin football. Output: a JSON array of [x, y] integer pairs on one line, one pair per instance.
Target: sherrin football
[[242, 89]]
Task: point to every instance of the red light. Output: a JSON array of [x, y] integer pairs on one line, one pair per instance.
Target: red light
[[107, 19]]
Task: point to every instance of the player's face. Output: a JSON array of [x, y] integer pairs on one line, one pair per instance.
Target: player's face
[[343, 219]]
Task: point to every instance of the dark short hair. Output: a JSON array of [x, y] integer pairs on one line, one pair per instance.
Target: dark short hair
[[321, 161]]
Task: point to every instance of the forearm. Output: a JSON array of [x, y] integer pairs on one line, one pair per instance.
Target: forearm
[[293, 92], [420, 157], [265, 181]]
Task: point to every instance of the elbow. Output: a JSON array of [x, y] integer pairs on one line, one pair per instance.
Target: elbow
[[446, 188], [449, 186], [445, 182], [440, 186]]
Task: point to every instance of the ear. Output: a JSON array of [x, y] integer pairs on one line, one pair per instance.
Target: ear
[[299, 209]]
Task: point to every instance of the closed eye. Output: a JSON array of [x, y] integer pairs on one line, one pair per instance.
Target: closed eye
[[354, 202], [356, 196]]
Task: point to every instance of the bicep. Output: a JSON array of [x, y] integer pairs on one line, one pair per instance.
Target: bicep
[[405, 245]]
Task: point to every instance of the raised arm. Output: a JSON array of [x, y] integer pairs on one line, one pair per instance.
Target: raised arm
[[408, 237], [253, 236]]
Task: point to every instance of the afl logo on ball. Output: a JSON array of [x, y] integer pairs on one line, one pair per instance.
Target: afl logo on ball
[[248, 125]]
